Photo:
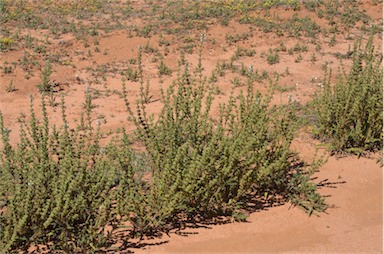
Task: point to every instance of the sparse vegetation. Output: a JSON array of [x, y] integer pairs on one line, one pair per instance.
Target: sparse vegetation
[[273, 57], [201, 143], [60, 186]]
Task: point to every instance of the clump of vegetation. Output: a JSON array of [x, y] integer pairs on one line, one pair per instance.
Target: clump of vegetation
[[350, 114], [46, 85], [6, 43], [273, 57], [56, 186], [61, 189], [164, 69], [204, 167]]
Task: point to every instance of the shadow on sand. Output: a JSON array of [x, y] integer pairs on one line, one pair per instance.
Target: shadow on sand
[[186, 225]]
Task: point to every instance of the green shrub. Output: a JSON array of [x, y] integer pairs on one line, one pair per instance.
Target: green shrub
[[350, 114], [55, 187], [163, 69], [273, 57], [59, 188], [46, 85], [5, 42], [204, 167]]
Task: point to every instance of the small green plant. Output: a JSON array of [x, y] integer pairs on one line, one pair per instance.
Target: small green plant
[[282, 47], [10, 88], [220, 69], [163, 69], [240, 52], [46, 85], [287, 72], [332, 42], [28, 41], [313, 58], [39, 49], [6, 43], [273, 57], [213, 78], [7, 69], [349, 115], [234, 38], [131, 74], [236, 82], [299, 58], [300, 48]]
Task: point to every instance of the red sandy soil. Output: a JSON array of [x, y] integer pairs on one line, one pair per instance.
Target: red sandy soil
[[352, 224]]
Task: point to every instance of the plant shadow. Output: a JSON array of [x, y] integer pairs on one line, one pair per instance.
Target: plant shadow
[[186, 226], [326, 183]]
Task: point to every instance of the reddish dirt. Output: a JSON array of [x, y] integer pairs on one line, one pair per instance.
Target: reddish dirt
[[353, 187]]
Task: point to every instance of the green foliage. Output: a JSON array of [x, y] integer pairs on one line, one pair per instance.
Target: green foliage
[[350, 115], [203, 167], [61, 17], [303, 192], [297, 26], [241, 52], [6, 43], [292, 3], [273, 57], [61, 189], [55, 186], [234, 38], [164, 69], [46, 85], [312, 5]]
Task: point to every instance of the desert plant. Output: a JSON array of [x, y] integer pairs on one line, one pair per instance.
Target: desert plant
[[234, 38], [55, 186], [60, 188], [164, 69], [7, 69], [332, 42], [300, 48], [313, 58], [46, 85], [11, 87], [202, 166], [298, 58], [273, 57], [349, 115], [6, 43]]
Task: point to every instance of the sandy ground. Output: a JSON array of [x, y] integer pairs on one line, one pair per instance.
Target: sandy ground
[[353, 186]]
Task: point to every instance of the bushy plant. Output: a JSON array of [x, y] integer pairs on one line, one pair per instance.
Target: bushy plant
[[350, 114], [59, 188], [5, 43], [202, 166], [46, 85], [55, 186], [164, 69], [273, 57]]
